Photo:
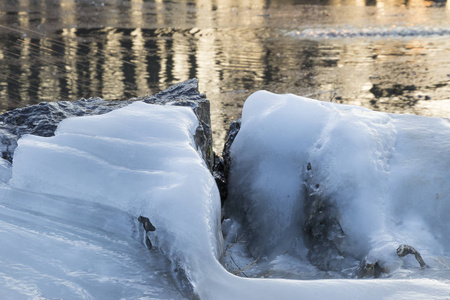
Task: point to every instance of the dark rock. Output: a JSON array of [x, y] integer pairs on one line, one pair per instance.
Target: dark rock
[[221, 180], [323, 233], [369, 270], [42, 119], [148, 243], [222, 166], [404, 250], [148, 226], [235, 126], [187, 94]]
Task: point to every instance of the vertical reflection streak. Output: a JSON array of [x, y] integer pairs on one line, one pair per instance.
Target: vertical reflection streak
[[49, 83], [162, 52], [25, 65], [113, 77], [70, 61], [25, 69], [94, 81], [209, 80], [180, 57], [139, 60]]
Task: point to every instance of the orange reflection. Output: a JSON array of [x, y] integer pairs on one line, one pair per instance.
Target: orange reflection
[[132, 48]]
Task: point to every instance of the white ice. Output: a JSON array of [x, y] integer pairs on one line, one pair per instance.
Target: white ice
[[68, 215], [388, 175]]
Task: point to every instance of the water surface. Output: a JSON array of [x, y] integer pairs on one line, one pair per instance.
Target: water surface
[[387, 55]]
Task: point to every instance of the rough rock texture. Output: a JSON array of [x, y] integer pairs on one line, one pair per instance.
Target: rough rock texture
[[186, 94], [323, 233], [235, 126], [42, 119], [222, 165]]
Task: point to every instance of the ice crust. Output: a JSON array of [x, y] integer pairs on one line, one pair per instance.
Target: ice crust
[[69, 212], [387, 176]]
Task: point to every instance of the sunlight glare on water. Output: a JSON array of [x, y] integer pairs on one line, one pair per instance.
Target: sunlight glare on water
[[385, 55]]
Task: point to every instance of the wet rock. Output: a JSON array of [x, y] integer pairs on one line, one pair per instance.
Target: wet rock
[[222, 167], [148, 226], [42, 119], [186, 94], [221, 180], [323, 233], [370, 270], [404, 250], [235, 126]]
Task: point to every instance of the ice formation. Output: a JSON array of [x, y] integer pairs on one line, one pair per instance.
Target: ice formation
[[353, 183], [69, 210]]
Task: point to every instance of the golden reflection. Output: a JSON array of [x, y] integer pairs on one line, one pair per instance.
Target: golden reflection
[[180, 57], [160, 13], [68, 9], [113, 76], [162, 52], [136, 13], [70, 61], [416, 48], [232, 46], [94, 82], [139, 60], [380, 6], [209, 80], [49, 86], [25, 72]]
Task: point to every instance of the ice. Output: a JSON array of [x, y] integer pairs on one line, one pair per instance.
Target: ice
[[68, 215], [72, 204], [385, 177], [5, 170]]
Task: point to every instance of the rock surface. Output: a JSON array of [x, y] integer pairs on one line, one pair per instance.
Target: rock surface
[[222, 165], [324, 235], [43, 118]]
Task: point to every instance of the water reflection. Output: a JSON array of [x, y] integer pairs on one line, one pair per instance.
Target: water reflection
[[66, 49]]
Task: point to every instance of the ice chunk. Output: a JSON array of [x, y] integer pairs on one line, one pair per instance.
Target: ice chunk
[[351, 182]]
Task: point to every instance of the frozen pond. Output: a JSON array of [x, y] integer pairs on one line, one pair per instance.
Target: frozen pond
[[387, 55]]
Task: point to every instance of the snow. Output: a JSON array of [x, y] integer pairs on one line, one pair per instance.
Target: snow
[[69, 212]]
